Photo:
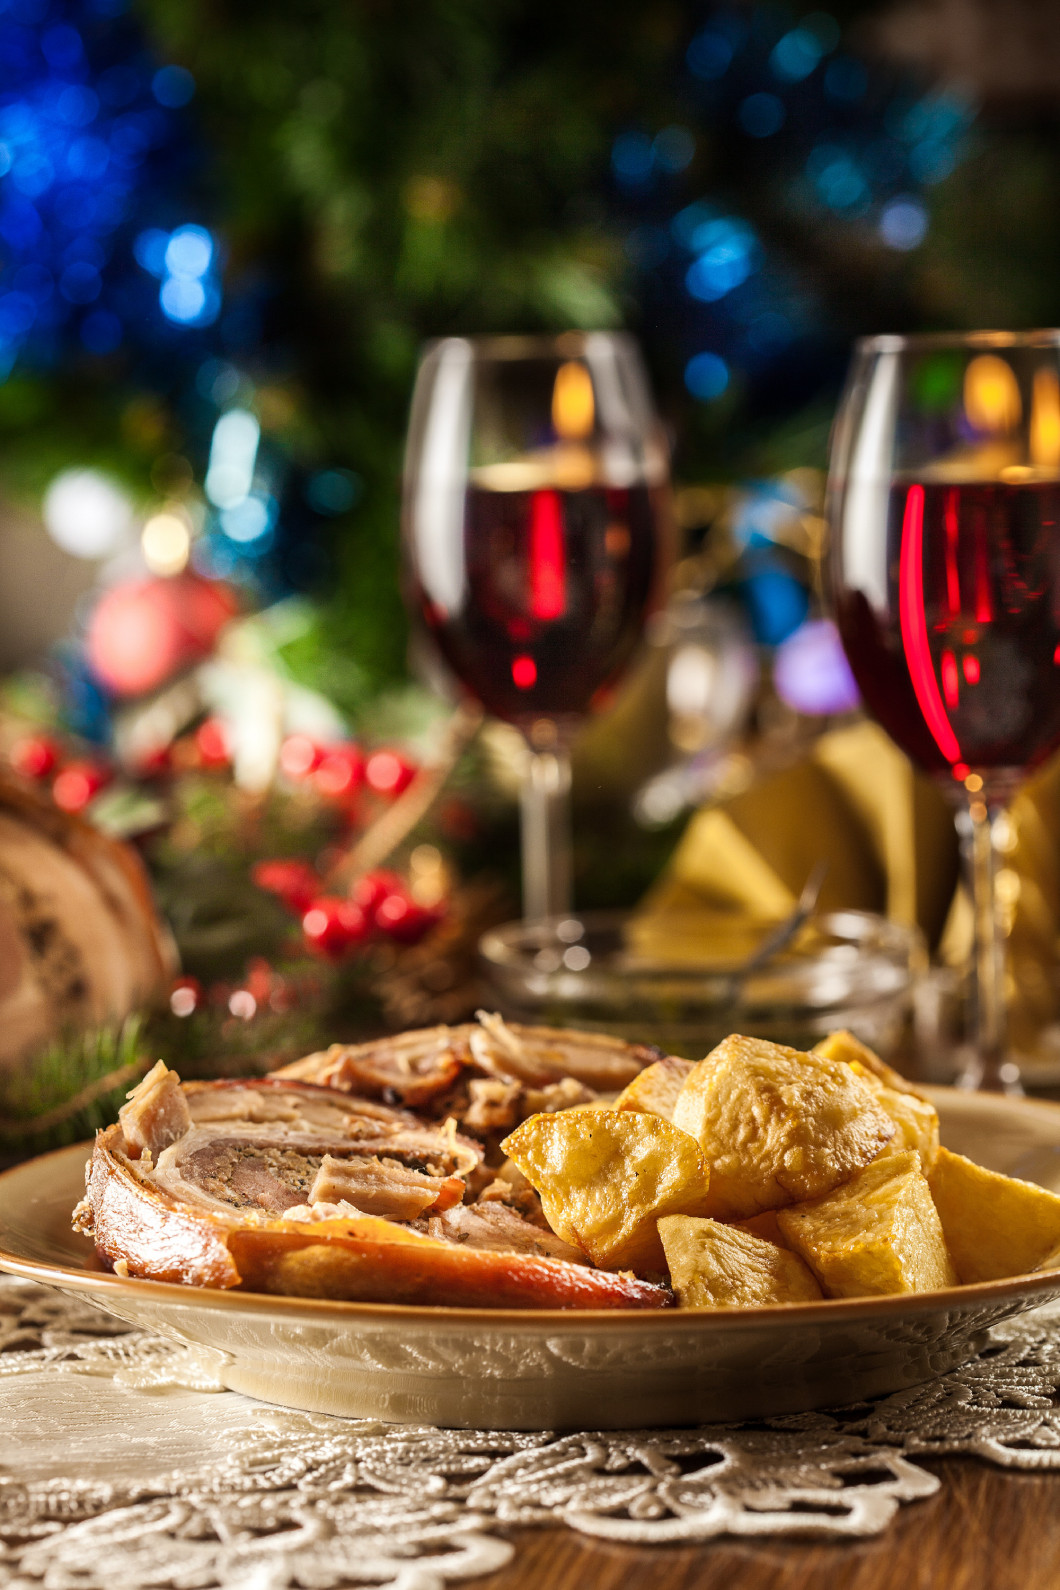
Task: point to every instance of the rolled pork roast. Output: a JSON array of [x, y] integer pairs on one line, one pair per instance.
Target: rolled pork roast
[[282, 1185]]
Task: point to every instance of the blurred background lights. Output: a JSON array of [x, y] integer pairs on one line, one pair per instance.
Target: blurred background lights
[[796, 55], [903, 223], [189, 252], [811, 672], [333, 491], [247, 521], [166, 543], [173, 86], [706, 376], [149, 250], [761, 115], [674, 148], [233, 453], [709, 55], [727, 258], [87, 514], [632, 157]]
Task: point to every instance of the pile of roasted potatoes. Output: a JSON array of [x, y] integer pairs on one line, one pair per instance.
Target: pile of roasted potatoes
[[764, 1175]]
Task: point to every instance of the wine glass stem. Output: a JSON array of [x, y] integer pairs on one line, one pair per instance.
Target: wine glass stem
[[991, 1067], [546, 831]]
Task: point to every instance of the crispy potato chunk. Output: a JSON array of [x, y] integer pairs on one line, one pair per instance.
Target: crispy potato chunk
[[994, 1224], [655, 1091], [878, 1233], [765, 1226], [716, 1266], [777, 1126], [844, 1046], [916, 1120], [605, 1177]]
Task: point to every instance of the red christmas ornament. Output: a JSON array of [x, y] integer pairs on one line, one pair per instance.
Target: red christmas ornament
[[339, 772], [333, 926], [294, 882], [387, 773], [142, 632], [79, 783], [34, 756]]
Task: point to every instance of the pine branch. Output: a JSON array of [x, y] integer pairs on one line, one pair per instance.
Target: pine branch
[[72, 1088]]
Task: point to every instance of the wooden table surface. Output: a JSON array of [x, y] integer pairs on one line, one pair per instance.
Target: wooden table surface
[[987, 1529]]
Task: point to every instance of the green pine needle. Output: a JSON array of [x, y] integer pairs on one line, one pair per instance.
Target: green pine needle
[[71, 1088]]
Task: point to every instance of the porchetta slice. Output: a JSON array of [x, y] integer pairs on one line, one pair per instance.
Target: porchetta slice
[[285, 1187], [489, 1074]]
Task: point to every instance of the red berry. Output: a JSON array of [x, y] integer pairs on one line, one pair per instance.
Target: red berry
[[154, 764], [213, 743], [299, 756], [403, 920], [339, 772], [370, 891], [387, 773], [79, 783], [333, 926], [34, 756], [294, 882]]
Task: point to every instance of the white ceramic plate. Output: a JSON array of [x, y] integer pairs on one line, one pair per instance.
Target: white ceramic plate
[[522, 1369]]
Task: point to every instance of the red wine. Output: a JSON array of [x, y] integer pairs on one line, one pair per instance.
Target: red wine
[[553, 593], [954, 637]]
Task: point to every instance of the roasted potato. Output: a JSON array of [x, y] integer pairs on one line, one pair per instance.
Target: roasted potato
[[655, 1091], [879, 1232], [716, 1266], [915, 1119], [605, 1177], [844, 1046], [994, 1224], [765, 1225], [777, 1126]]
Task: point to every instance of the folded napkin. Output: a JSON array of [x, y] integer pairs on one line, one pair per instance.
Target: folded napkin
[[889, 839]]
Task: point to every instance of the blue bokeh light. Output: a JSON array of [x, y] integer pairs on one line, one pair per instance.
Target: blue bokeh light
[[762, 115], [796, 55], [709, 55], [726, 250], [87, 150], [189, 252], [632, 158], [173, 86], [903, 223], [706, 376]]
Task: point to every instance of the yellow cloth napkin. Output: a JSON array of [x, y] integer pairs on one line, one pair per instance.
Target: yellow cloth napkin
[[889, 839]]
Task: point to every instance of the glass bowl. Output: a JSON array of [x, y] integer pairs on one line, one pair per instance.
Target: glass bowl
[[844, 969]]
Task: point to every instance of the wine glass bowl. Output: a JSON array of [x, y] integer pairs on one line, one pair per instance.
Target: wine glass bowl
[[944, 508], [534, 528]]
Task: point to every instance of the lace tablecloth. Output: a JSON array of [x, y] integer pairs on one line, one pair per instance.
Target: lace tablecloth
[[122, 1461]]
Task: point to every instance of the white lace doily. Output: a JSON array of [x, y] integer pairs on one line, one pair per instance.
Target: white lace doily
[[124, 1462]]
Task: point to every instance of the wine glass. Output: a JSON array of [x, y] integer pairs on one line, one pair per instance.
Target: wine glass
[[535, 518], [944, 506]]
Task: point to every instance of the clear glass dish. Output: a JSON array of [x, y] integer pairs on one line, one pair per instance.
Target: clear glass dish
[[845, 969]]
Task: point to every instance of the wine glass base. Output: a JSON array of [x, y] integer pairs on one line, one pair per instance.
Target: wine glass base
[[979, 1076]]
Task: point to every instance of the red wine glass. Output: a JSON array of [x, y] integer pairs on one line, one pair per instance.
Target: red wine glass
[[535, 511], [944, 507]]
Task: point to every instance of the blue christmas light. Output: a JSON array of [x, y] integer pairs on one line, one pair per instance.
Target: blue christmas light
[[706, 376], [796, 55], [87, 137], [762, 115]]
